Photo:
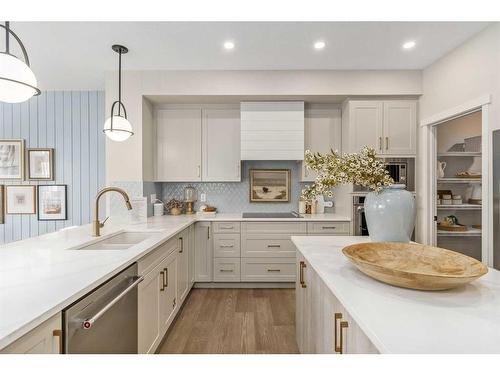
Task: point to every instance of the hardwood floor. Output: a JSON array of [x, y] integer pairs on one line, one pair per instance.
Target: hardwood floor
[[234, 321]]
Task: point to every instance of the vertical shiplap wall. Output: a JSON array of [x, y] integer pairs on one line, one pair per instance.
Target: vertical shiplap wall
[[70, 122]]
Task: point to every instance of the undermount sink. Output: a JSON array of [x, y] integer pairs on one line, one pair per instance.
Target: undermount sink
[[120, 241]]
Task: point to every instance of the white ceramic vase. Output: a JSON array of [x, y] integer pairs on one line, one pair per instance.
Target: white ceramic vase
[[390, 214]]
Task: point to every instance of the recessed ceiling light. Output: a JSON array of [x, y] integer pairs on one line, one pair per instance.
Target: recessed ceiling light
[[319, 45], [229, 45], [409, 45]]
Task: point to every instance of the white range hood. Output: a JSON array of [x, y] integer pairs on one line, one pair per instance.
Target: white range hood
[[272, 130]]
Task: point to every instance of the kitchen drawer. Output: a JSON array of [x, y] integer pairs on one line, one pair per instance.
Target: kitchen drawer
[[249, 228], [328, 227], [275, 245], [226, 269], [147, 263], [268, 269], [226, 227], [226, 245]]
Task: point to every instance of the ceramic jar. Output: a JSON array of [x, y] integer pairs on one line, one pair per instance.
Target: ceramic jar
[[390, 214]]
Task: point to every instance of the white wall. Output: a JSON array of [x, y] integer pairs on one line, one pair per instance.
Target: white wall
[[466, 73]]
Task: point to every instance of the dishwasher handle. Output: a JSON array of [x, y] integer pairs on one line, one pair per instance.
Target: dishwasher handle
[[87, 323]]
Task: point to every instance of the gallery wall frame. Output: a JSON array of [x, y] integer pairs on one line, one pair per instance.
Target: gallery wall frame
[[12, 159], [40, 164], [52, 202], [20, 199]]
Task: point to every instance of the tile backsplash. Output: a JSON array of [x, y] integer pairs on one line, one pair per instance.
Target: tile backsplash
[[234, 196]]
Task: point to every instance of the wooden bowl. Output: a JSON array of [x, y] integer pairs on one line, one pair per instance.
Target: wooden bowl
[[414, 266]]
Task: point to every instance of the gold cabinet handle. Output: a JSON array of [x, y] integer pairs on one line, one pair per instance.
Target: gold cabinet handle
[[166, 277], [336, 318], [162, 274], [343, 325], [223, 270], [380, 143], [386, 143], [328, 227], [301, 274], [58, 333], [273, 270], [208, 232], [181, 249], [273, 245], [174, 303]]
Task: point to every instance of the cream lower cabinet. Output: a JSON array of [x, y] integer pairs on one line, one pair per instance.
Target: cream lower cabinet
[[168, 290], [44, 339], [183, 276], [323, 325], [203, 257]]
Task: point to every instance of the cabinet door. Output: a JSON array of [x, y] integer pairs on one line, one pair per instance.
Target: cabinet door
[[168, 294], [365, 125], [203, 261], [354, 339], [191, 255], [221, 145], [400, 127], [303, 307], [178, 146], [44, 339], [323, 129], [149, 290], [183, 263]]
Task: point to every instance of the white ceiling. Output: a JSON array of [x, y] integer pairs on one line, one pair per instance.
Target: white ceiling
[[75, 55]]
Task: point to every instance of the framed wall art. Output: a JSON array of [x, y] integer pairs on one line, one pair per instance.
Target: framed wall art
[[11, 159], [20, 199], [40, 163], [52, 202], [269, 185]]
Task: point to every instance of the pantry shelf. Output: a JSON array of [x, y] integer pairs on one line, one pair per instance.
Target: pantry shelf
[[457, 180], [459, 154], [464, 206], [471, 232]]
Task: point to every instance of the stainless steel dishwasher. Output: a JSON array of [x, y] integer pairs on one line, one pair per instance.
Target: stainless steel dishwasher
[[105, 320]]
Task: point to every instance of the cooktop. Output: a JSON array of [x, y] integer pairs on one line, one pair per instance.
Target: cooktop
[[271, 215]]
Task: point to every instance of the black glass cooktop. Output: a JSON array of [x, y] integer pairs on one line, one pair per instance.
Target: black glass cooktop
[[270, 215]]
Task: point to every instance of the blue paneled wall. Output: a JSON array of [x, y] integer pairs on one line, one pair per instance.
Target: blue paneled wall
[[71, 123]]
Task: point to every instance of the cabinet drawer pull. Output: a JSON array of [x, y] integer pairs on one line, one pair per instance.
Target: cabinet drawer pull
[[174, 302], [380, 143], [162, 274], [226, 270], [328, 227], [59, 334], [386, 143], [226, 246], [273, 270], [336, 317], [301, 274], [273, 245], [208, 232], [181, 249], [226, 227], [166, 277]]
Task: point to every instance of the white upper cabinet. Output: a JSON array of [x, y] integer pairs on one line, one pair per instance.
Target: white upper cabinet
[[272, 130], [221, 145], [400, 127], [389, 126], [178, 147], [323, 130]]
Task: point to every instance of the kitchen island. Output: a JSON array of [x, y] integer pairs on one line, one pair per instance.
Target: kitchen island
[[380, 318]]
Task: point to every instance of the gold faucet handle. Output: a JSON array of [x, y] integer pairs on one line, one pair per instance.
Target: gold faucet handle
[[104, 221]]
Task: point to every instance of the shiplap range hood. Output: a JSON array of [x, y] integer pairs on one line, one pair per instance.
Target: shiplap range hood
[[272, 130]]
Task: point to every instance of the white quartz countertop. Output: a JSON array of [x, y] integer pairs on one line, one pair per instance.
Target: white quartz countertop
[[39, 276], [398, 320]]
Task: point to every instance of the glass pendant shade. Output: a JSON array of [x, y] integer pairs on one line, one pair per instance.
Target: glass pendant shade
[[121, 131]]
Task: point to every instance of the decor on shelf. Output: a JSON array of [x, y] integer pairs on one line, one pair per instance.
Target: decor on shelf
[[450, 224], [441, 165], [11, 159], [174, 207], [117, 127], [389, 209], [20, 199], [52, 202], [40, 163], [414, 266], [269, 185], [17, 80], [189, 198]]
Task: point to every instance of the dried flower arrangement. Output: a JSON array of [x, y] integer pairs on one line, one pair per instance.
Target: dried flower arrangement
[[174, 206], [333, 169]]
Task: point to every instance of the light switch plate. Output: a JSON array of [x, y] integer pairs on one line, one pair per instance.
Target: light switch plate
[[328, 204], [203, 197], [153, 198]]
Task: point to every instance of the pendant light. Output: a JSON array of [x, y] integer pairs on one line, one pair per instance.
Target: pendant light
[[117, 127], [17, 80]]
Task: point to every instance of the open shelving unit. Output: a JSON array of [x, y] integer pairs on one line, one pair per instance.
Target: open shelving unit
[[449, 136]]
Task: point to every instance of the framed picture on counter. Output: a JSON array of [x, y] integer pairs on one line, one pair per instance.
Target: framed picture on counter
[[40, 163], [11, 159], [52, 202], [269, 185], [20, 199]]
